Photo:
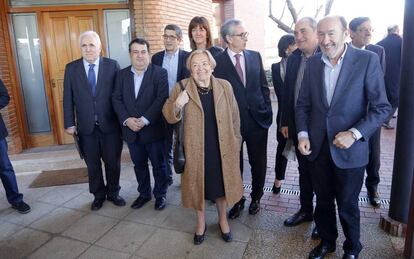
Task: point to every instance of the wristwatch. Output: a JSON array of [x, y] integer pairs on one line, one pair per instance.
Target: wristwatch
[[353, 135]]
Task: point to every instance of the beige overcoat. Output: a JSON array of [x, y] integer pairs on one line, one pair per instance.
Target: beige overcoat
[[228, 123]]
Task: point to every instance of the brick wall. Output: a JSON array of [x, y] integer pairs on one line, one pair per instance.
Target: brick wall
[[6, 75], [151, 16]]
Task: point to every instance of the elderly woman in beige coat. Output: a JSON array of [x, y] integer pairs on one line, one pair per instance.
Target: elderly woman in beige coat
[[211, 141]]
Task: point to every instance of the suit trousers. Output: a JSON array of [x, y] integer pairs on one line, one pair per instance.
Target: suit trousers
[[305, 183], [168, 142], [7, 175], [280, 160], [139, 155], [343, 185], [256, 144], [374, 163], [108, 147]]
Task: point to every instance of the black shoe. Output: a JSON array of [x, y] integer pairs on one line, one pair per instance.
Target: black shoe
[[315, 234], [374, 198], [228, 237], [276, 190], [349, 256], [139, 202], [97, 204], [321, 250], [22, 207], [160, 203], [198, 239], [237, 208], [298, 218], [254, 207], [117, 200]]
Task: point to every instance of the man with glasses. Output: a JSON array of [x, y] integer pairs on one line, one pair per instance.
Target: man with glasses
[[244, 70], [173, 60], [360, 32]]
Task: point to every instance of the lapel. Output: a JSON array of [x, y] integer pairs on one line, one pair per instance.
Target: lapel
[[319, 77], [345, 75], [146, 82], [248, 60], [218, 92], [101, 72], [228, 63], [180, 63], [80, 70], [191, 88]]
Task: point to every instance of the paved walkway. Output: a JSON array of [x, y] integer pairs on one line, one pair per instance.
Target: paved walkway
[[61, 224]]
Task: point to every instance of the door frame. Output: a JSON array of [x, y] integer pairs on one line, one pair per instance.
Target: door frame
[[36, 140]]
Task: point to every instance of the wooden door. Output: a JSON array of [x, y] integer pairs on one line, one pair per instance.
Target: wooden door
[[62, 30]]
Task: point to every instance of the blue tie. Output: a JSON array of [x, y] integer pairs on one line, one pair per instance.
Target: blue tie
[[92, 78]]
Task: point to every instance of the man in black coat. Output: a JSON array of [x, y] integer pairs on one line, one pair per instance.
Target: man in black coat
[[7, 174], [173, 60], [360, 32], [140, 92], [88, 112], [392, 45], [244, 70]]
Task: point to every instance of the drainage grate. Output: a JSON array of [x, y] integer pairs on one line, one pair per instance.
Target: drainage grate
[[296, 193]]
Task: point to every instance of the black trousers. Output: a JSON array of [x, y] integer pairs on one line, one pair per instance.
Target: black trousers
[[374, 163], [305, 183], [107, 147], [280, 160], [168, 142], [343, 185], [256, 143]]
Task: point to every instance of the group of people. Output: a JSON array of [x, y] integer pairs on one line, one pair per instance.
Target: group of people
[[332, 101]]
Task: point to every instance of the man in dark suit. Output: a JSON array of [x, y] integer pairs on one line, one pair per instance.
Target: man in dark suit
[[88, 112], [360, 32], [244, 70], [173, 60], [140, 92], [392, 45], [307, 42], [341, 104], [7, 174]]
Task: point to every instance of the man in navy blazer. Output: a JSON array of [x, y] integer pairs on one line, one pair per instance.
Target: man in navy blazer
[[392, 45], [244, 70], [173, 60], [88, 112], [140, 92], [360, 32], [341, 104]]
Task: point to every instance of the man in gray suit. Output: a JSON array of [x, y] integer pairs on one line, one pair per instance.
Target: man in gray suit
[[341, 104], [88, 112]]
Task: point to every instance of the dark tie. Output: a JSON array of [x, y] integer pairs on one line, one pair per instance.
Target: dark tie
[[238, 67], [92, 78]]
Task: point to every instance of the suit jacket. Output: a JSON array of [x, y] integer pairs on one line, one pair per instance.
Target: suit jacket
[[288, 105], [4, 101], [392, 45], [380, 52], [148, 103], [79, 104], [360, 86], [182, 71], [278, 87], [253, 99]]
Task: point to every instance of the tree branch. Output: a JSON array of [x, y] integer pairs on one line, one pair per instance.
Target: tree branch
[[281, 25], [292, 10], [328, 6]]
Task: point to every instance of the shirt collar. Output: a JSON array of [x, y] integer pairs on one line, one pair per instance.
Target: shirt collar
[[363, 47], [232, 53], [86, 63], [135, 72], [172, 55], [326, 60]]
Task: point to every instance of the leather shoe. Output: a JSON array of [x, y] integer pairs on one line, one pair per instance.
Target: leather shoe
[[321, 250], [237, 208], [228, 237], [116, 199], [139, 202], [349, 256], [198, 239], [298, 218], [276, 190], [374, 198], [254, 207], [160, 203], [315, 234], [97, 204]]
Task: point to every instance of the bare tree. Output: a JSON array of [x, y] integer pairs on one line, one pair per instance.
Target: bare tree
[[294, 14]]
